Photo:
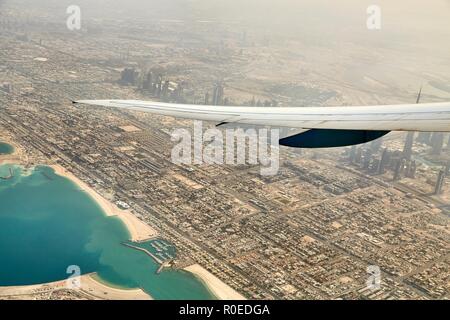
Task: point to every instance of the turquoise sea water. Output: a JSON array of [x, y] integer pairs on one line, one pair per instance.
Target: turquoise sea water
[[47, 224], [6, 148]]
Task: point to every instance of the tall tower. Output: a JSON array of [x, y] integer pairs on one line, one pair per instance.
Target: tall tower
[[407, 150], [399, 168], [439, 182], [165, 90], [437, 143], [218, 94], [149, 81], [384, 161], [352, 155], [412, 169]]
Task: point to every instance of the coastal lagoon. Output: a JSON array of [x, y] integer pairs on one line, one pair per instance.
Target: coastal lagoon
[[48, 223]]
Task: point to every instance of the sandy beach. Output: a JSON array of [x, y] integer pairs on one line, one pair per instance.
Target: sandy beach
[[138, 229], [90, 288], [220, 289]]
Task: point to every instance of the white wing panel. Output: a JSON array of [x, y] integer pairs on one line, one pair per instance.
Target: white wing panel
[[410, 117]]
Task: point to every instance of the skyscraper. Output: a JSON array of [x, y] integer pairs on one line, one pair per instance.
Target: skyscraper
[[358, 155], [384, 161], [376, 145], [399, 168], [352, 155], [159, 86], [218, 94], [165, 90], [148, 82], [129, 76], [437, 142], [440, 182], [367, 159], [412, 168], [407, 150]]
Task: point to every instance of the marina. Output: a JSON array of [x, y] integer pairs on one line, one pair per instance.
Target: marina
[[159, 250]]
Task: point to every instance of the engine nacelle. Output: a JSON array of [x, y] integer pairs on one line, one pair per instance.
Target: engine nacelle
[[330, 138]]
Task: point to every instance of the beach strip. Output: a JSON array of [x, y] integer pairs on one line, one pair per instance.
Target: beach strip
[[220, 289], [89, 287], [138, 229]]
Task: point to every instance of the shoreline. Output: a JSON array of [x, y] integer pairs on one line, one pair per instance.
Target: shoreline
[[90, 288], [219, 289], [138, 229]]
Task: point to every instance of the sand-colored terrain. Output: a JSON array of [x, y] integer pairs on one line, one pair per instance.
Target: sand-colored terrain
[[138, 229], [89, 288], [92, 286], [220, 289]]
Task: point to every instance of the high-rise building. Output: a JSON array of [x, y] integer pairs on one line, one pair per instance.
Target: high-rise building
[[437, 142], [367, 159], [178, 93], [165, 90], [218, 94], [399, 168], [412, 168], [358, 156], [447, 169], [374, 165], [206, 98], [159, 86], [440, 182], [407, 150], [148, 82], [352, 155], [385, 157], [129, 76]]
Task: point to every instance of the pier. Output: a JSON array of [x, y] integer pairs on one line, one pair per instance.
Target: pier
[[143, 250], [164, 262]]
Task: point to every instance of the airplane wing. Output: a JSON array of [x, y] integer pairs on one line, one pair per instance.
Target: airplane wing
[[326, 126]]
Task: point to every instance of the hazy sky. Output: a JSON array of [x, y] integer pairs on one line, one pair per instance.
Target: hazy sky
[[402, 20]]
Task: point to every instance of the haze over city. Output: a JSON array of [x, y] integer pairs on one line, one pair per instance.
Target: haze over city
[[143, 227]]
